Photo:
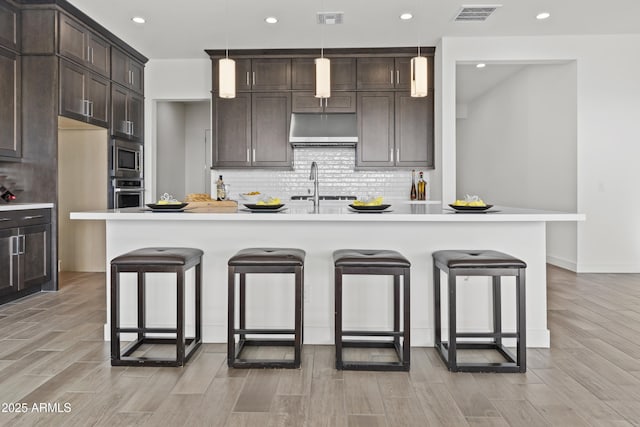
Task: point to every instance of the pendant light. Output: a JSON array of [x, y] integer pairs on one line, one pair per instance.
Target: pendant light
[[323, 68], [419, 73], [226, 68], [419, 76]]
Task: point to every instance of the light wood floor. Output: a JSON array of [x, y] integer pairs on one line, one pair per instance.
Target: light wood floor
[[51, 351]]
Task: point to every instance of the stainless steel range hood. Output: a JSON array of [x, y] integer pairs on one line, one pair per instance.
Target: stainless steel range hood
[[321, 130]]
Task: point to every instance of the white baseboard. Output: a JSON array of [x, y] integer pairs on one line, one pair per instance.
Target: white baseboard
[[562, 263]]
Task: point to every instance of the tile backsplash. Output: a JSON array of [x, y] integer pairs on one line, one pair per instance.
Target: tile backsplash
[[336, 174]]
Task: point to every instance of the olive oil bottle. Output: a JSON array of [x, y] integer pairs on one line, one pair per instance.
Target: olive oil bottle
[[414, 194], [422, 187]]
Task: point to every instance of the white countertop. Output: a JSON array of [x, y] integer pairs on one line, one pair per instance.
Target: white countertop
[[339, 211], [24, 206]]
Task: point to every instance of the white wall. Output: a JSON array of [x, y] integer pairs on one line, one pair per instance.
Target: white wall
[[197, 122], [517, 147], [170, 152], [608, 108]]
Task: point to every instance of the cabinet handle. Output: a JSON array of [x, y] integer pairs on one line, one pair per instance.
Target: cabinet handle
[[397, 154], [131, 132], [137, 166], [248, 84], [90, 108], [254, 78], [320, 102], [14, 245], [22, 244], [85, 109], [326, 102], [27, 218], [254, 154], [130, 77], [5, 219], [391, 154], [248, 158], [391, 76], [397, 77]]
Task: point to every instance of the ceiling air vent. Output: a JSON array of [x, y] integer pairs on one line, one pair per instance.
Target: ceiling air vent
[[330, 17], [476, 12]]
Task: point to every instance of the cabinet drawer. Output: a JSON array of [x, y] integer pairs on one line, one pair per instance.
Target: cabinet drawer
[[29, 217], [7, 219]]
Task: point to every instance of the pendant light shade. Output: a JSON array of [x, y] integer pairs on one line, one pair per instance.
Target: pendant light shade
[[226, 78], [323, 77], [419, 76]]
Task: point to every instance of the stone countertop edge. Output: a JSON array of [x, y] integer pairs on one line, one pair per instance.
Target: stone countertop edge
[[25, 206]]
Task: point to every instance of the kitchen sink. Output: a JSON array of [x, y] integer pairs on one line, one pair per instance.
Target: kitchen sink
[[309, 197]]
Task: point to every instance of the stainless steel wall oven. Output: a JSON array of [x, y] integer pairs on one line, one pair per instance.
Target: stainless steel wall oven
[[127, 193]]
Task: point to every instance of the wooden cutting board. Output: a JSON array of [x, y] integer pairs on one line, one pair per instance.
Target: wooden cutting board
[[213, 206]]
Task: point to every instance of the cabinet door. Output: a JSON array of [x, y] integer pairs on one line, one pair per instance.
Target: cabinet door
[[119, 125], [343, 74], [8, 262], [137, 75], [303, 74], [375, 129], [403, 73], [10, 145], [135, 115], [34, 255], [73, 40], [232, 131], [98, 96], [270, 74], [9, 21], [414, 130], [340, 102], [271, 114], [376, 73], [306, 102], [72, 91], [126, 71], [99, 54]]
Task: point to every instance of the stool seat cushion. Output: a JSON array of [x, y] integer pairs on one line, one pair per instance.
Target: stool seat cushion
[[369, 258], [477, 259], [158, 256], [268, 256]]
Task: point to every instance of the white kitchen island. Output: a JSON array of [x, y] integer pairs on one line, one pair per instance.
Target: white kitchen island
[[415, 230]]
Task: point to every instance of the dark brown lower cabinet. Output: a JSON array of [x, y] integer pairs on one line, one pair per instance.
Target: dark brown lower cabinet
[[25, 249]]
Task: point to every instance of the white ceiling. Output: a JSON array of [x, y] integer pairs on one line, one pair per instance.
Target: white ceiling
[[183, 29]]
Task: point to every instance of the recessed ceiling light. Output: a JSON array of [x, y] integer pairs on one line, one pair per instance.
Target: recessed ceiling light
[[406, 16], [543, 15], [271, 20], [481, 65], [138, 20]]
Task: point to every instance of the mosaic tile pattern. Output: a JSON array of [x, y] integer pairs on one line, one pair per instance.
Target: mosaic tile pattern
[[336, 172]]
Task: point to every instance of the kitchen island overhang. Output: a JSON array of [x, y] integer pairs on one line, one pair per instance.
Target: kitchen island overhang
[[414, 230]]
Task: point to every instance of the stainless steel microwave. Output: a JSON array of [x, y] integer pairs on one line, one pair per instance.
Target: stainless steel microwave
[[126, 159]]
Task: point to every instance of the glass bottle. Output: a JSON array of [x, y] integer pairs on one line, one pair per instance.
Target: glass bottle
[[220, 193], [422, 187], [414, 194]]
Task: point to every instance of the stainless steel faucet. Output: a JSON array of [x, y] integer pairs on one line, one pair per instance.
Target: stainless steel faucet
[[313, 176]]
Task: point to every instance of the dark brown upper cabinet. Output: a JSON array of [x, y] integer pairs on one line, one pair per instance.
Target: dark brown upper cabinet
[[83, 95], [394, 130], [82, 45], [343, 74], [9, 26], [127, 113], [252, 130], [379, 73], [10, 129], [126, 70], [259, 75], [339, 102]]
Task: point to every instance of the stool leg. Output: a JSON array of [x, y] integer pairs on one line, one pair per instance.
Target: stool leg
[[180, 317], [115, 313], [141, 303], [437, 325], [396, 309], [338, 316], [406, 324], [243, 302], [231, 320], [298, 317], [198, 298], [453, 362], [497, 309], [521, 319]]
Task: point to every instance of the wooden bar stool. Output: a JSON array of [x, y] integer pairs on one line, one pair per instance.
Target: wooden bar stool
[[480, 263], [375, 262], [263, 260], [155, 260]]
